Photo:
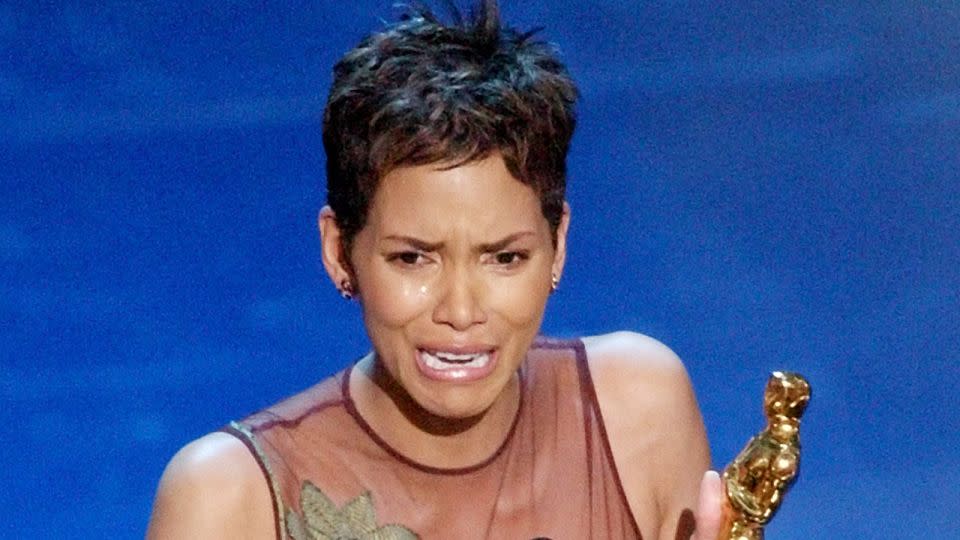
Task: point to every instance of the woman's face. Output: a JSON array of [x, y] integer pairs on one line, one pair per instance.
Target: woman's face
[[453, 269]]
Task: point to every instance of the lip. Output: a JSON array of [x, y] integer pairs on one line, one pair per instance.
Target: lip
[[456, 348], [458, 374]]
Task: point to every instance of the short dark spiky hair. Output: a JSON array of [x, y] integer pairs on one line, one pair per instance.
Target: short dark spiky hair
[[422, 92]]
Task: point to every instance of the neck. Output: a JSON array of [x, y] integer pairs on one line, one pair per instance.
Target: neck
[[415, 415], [424, 437]]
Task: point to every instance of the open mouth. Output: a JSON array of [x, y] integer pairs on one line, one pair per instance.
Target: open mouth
[[451, 366], [446, 360]]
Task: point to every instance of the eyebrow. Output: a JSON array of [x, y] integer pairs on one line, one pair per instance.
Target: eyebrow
[[416, 243], [506, 241], [423, 245]]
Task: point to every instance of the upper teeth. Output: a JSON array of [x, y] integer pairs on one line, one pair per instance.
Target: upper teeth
[[448, 360], [454, 357]]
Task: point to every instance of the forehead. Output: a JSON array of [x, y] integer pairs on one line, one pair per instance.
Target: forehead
[[480, 195]]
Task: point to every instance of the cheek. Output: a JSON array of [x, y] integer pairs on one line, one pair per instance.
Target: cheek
[[393, 301], [520, 302]]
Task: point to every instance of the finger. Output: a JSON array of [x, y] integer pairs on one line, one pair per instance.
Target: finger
[[709, 506]]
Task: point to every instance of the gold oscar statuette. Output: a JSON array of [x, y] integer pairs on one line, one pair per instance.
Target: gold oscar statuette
[[756, 480]]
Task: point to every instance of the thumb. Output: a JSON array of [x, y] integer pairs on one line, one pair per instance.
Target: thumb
[[709, 506]]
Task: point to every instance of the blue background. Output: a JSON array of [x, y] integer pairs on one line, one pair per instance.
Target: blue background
[[759, 185]]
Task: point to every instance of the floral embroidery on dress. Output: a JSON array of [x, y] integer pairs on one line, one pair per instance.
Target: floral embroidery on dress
[[322, 520]]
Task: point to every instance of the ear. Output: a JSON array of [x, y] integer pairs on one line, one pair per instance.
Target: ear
[[560, 256], [335, 260]]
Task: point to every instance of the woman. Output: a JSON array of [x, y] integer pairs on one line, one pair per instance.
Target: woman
[[446, 149]]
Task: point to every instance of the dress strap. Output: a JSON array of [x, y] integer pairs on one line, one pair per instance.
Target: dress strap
[[249, 439]]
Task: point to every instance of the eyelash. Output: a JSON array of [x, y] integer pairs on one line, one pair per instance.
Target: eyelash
[[516, 257], [407, 258]]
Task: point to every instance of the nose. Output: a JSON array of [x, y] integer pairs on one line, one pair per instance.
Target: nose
[[460, 303]]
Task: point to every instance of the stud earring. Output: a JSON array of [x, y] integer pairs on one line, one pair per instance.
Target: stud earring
[[346, 289], [554, 282]]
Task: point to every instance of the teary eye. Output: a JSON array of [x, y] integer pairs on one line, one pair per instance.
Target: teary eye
[[407, 258], [508, 258]]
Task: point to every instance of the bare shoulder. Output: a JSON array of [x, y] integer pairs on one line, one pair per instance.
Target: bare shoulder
[[212, 488], [634, 374], [630, 351], [638, 380], [653, 423]]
